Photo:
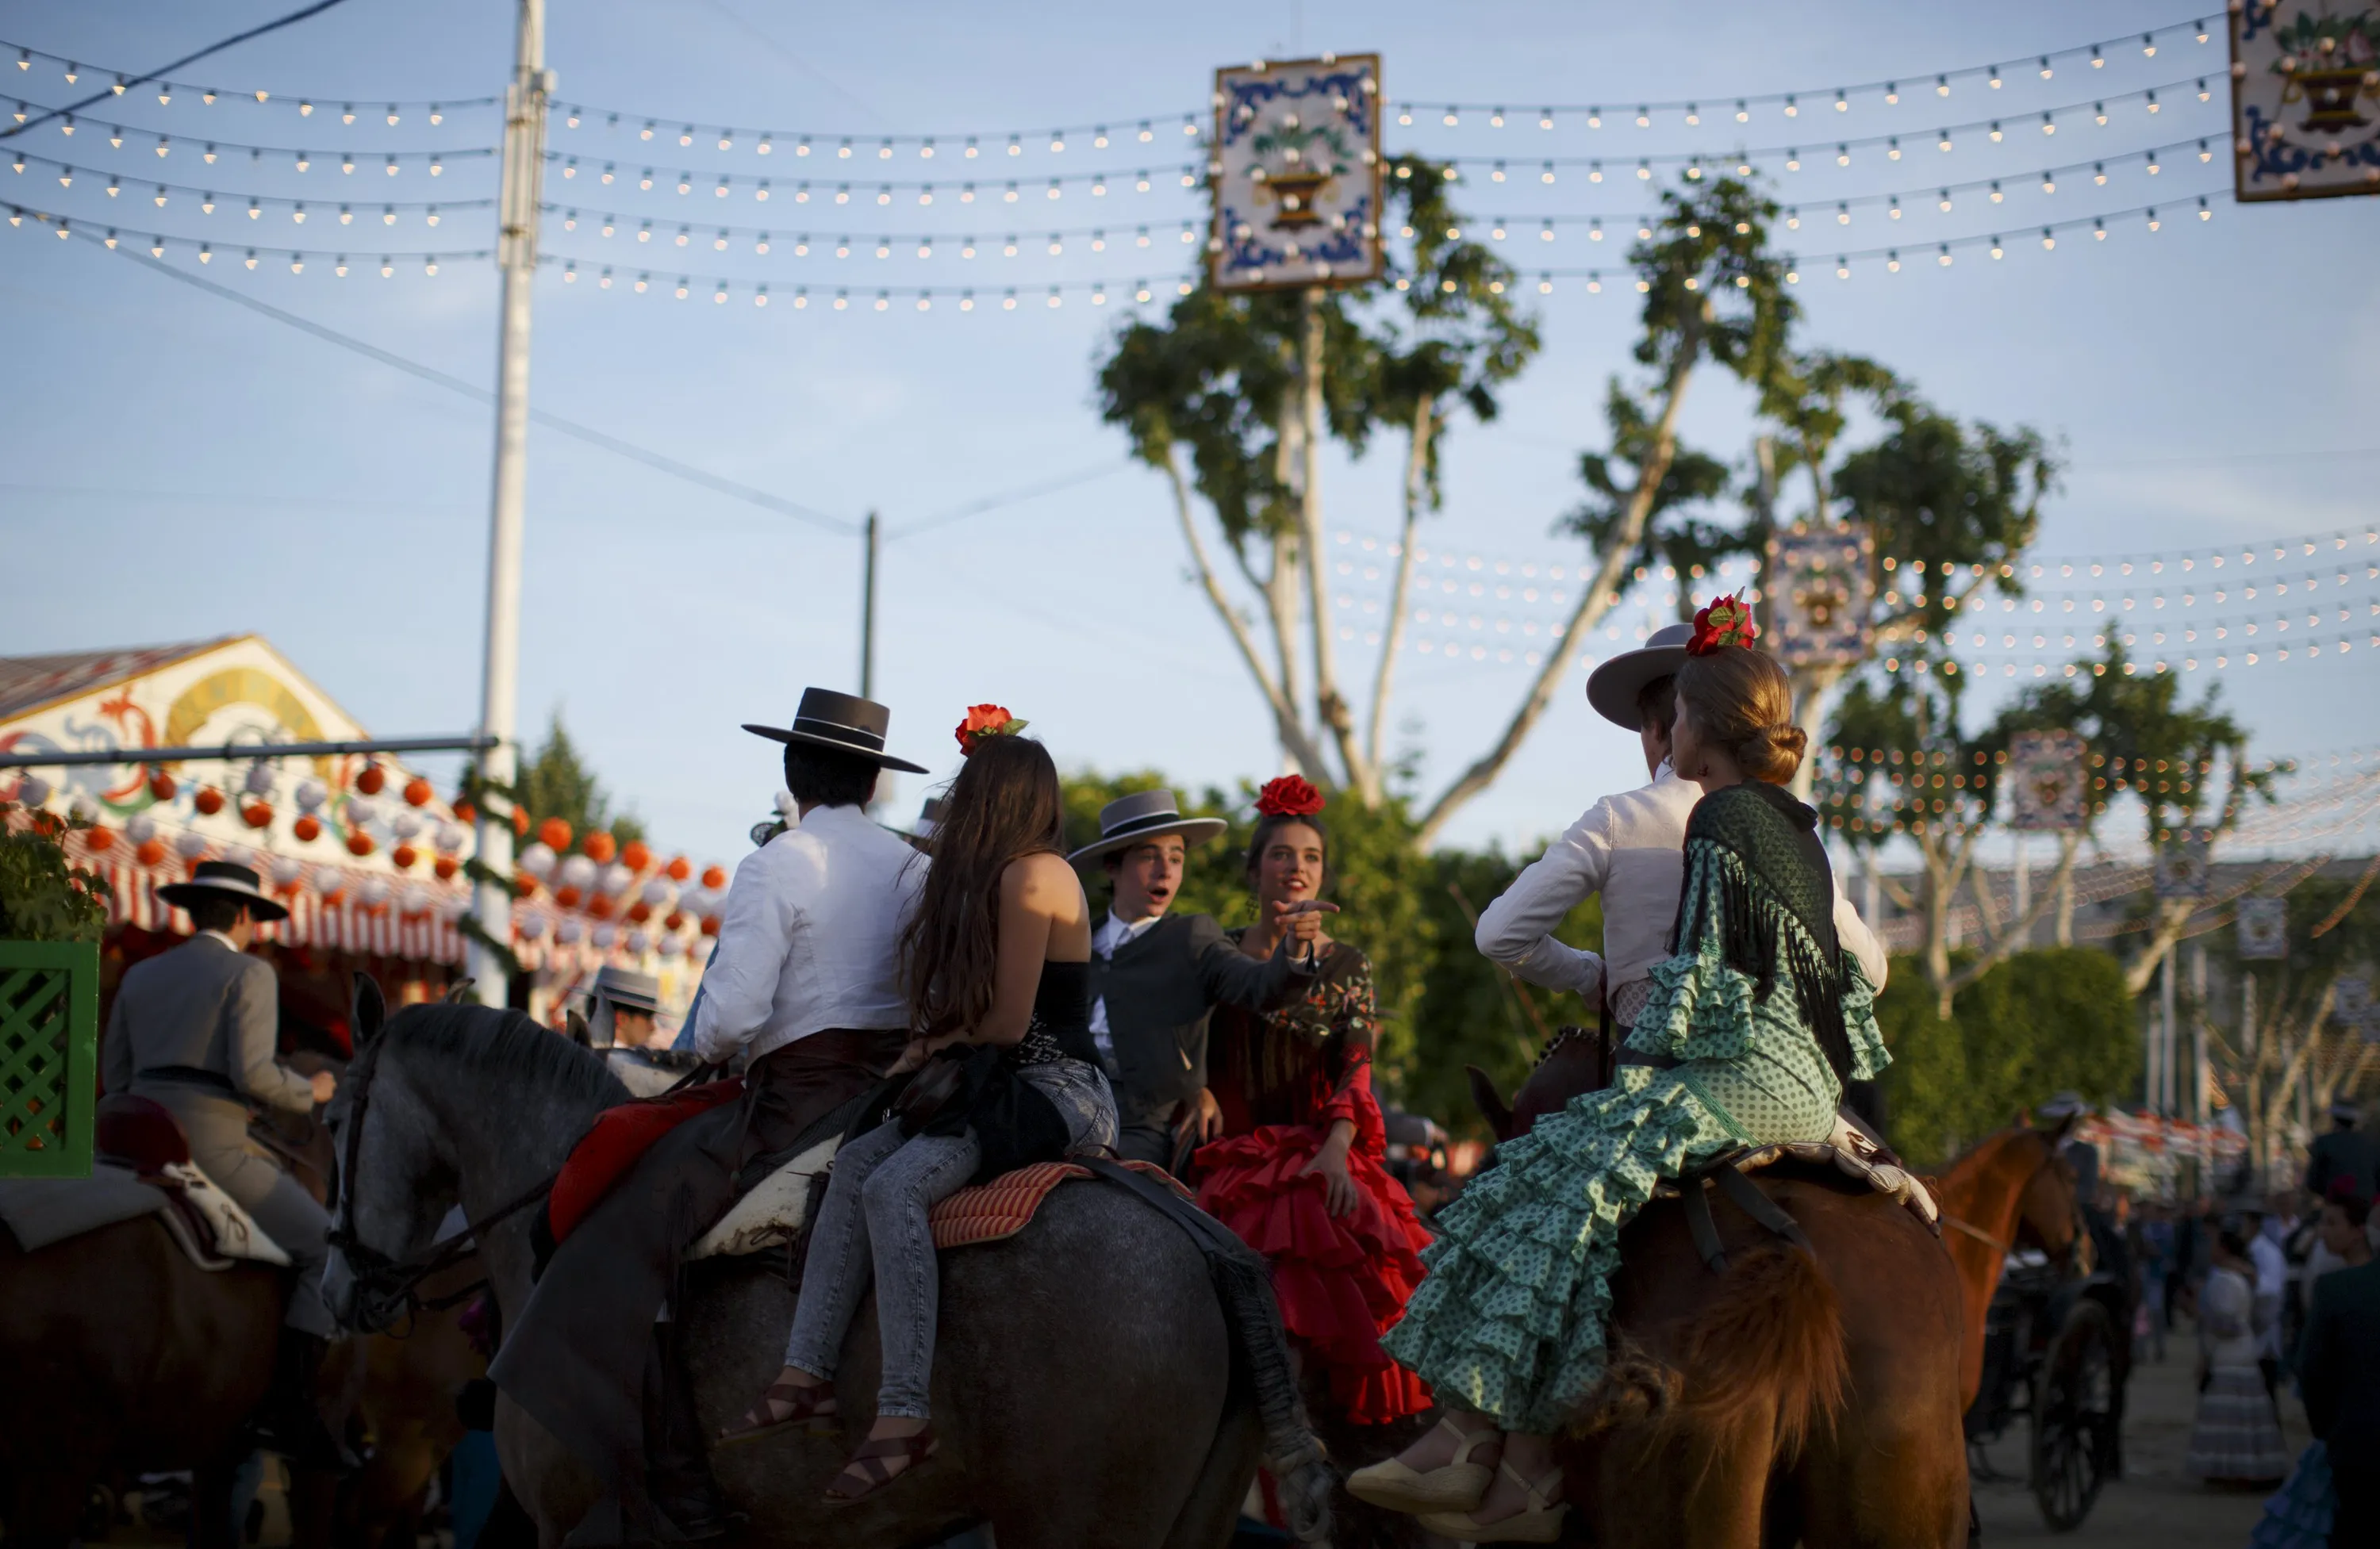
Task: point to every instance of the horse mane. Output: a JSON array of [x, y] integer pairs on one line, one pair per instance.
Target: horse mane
[[504, 1047]]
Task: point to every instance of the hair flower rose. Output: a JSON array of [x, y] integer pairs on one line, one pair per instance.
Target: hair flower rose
[[1290, 796], [987, 720], [1721, 622]]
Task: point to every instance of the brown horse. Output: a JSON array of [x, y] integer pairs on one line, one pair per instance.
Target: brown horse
[[2014, 1189], [1808, 1397]]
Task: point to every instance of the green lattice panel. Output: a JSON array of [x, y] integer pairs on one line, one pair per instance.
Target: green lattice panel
[[49, 1057]]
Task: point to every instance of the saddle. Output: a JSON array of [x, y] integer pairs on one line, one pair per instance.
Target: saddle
[[1847, 1158], [143, 1168]]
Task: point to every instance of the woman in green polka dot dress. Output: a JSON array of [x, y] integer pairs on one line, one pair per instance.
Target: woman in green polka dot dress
[[1757, 1020]]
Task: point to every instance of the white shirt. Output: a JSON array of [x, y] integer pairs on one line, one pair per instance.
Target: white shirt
[[2272, 1289], [1629, 847], [1112, 933], [810, 937]]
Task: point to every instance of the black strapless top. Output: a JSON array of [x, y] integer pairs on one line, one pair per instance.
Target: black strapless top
[[1061, 1028]]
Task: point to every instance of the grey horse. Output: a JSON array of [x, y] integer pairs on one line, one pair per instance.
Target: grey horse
[[1087, 1381]]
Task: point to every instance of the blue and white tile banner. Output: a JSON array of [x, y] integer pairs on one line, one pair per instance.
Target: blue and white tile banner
[[1296, 174], [2047, 780], [2264, 927], [2305, 98], [2182, 867], [1820, 594]]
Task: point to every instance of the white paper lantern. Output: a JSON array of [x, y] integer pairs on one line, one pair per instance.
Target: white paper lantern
[[656, 892], [239, 854], [569, 932], [536, 861], [33, 790], [373, 894], [455, 909], [406, 824], [190, 846], [83, 808], [639, 943], [697, 901], [141, 828], [671, 946], [286, 869], [605, 936], [361, 813], [259, 781], [452, 837], [616, 879], [531, 925], [312, 793], [577, 872], [416, 900]]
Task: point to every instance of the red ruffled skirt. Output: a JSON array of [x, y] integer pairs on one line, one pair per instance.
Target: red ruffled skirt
[[1341, 1280]]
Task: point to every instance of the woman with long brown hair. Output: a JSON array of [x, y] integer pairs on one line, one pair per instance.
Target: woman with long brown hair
[[1753, 1025], [996, 958]]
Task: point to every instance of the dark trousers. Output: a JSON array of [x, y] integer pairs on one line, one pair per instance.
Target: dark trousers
[[2355, 1518]]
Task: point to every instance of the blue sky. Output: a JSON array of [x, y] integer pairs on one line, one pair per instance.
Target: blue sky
[[177, 465]]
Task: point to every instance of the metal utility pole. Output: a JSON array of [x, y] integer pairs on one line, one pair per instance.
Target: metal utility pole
[[2167, 1037], [523, 167], [871, 538]]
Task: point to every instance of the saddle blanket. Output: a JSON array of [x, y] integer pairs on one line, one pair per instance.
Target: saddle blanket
[[209, 1224], [773, 1212]]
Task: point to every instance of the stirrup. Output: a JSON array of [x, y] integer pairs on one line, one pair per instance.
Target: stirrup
[[1455, 1486]]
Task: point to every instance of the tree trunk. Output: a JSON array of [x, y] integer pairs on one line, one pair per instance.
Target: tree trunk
[[1812, 686], [1393, 637], [2172, 915], [1330, 706], [1594, 601]]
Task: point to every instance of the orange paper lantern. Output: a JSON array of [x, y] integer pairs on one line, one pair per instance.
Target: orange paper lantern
[[359, 842], [635, 855], [465, 813], [554, 834], [714, 877], [640, 910], [151, 853], [98, 838], [679, 868], [600, 907], [417, 792], [332, 895], [307, 829], [371, 780], [403, 857], [161, 785], [566, 897], [711, 925], [445, 867], [599, 847], [676, 921], [209, 800], [257, 814], [524, 885], [520, 823]]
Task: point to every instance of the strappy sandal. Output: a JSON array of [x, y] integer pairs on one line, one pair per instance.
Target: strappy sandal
[[867, 1465], [1539, 1522], [1456, 1486], [809, 1406]]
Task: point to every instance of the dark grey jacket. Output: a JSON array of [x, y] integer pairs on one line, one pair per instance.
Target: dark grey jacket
[[204, 1006], [1159, 988]]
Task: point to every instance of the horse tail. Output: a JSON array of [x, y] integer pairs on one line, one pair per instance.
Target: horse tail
[[1244, 1282], [1769, 1348]]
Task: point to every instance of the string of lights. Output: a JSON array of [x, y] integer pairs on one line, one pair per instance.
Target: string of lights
[[1996, 130], [843, 244], [1141, 180], [161, 194], [302, 159], [650, 129], [251, 255], [167, 91], [879, 298], [1790, 103]]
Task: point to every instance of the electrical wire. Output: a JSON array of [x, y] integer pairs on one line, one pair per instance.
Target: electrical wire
[[124, 83]]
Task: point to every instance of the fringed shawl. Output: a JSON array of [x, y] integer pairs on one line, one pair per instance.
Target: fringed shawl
[[1775, 904]]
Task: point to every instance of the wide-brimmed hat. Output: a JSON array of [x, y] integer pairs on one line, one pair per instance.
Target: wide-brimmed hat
[[1612, 687], [225, 879], [844, 722], [625, 986], [1144, 816], [929, 818]]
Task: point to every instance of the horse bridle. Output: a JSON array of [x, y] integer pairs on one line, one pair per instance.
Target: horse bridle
[[388, 1288]]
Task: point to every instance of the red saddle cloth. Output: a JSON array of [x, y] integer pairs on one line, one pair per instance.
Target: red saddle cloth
[[987, 1212], [617, 1140], [140, 1133]]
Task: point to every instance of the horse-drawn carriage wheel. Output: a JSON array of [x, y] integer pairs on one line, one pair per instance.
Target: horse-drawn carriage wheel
[[2073, 1417]]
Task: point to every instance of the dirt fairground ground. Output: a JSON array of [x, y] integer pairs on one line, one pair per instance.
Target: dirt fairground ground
[[2156, 1505]]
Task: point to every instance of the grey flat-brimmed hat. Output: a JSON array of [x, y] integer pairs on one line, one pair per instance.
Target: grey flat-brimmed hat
[[225, 879], [1144, 816], [625, 986], [844, 722], [1612, 687], [929, 818]]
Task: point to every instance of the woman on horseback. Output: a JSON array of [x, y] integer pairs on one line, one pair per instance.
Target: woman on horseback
[[1751, 1027], [996, 961], [1298, 1174]]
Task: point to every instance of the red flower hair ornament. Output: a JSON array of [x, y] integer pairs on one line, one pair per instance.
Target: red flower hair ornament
[[987, 720], [1290, 796], [1721, 622]]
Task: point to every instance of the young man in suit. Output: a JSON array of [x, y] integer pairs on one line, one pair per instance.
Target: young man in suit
[[1156, 976]]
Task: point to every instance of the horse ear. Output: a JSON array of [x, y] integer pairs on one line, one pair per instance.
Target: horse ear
[[1490, 1103], [367, 1010], [459, 993], [580, 1033]]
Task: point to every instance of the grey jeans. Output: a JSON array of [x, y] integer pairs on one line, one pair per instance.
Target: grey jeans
[[874, 1225], [217, 1128]]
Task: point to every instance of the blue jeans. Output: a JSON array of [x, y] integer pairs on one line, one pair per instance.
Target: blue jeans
[[874, 1225]]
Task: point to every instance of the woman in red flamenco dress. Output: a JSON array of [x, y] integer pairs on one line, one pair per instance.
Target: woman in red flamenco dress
[[1298, 1172]]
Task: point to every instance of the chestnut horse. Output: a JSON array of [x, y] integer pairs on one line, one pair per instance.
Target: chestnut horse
[[2012, 1190], [1806, 1397]]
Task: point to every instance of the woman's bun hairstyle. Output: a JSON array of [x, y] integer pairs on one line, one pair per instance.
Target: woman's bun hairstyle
[[1743, 703]]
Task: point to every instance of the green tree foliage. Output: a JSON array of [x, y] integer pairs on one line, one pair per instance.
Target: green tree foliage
[[558, 783], [2039, 1023], [2334, 928], [44, 896]]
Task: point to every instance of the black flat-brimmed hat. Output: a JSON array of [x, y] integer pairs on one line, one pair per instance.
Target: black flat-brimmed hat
[[844, 722], [1144, 816], [1612, 687], [225, 879]]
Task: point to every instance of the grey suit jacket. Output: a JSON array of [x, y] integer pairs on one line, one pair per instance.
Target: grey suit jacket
[[203, 1006], [1159, 988]]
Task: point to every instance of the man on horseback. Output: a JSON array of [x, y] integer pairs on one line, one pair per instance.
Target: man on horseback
[[196, 1030]]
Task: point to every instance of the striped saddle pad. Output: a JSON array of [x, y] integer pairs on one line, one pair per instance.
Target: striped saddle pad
[[987, 1212]]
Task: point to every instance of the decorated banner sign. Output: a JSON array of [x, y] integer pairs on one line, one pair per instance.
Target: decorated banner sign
[[1297, 173], [2305, 98], [2350, 999], [2264, 927], [2046, 774], [2181, 869], [1820, 593]]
